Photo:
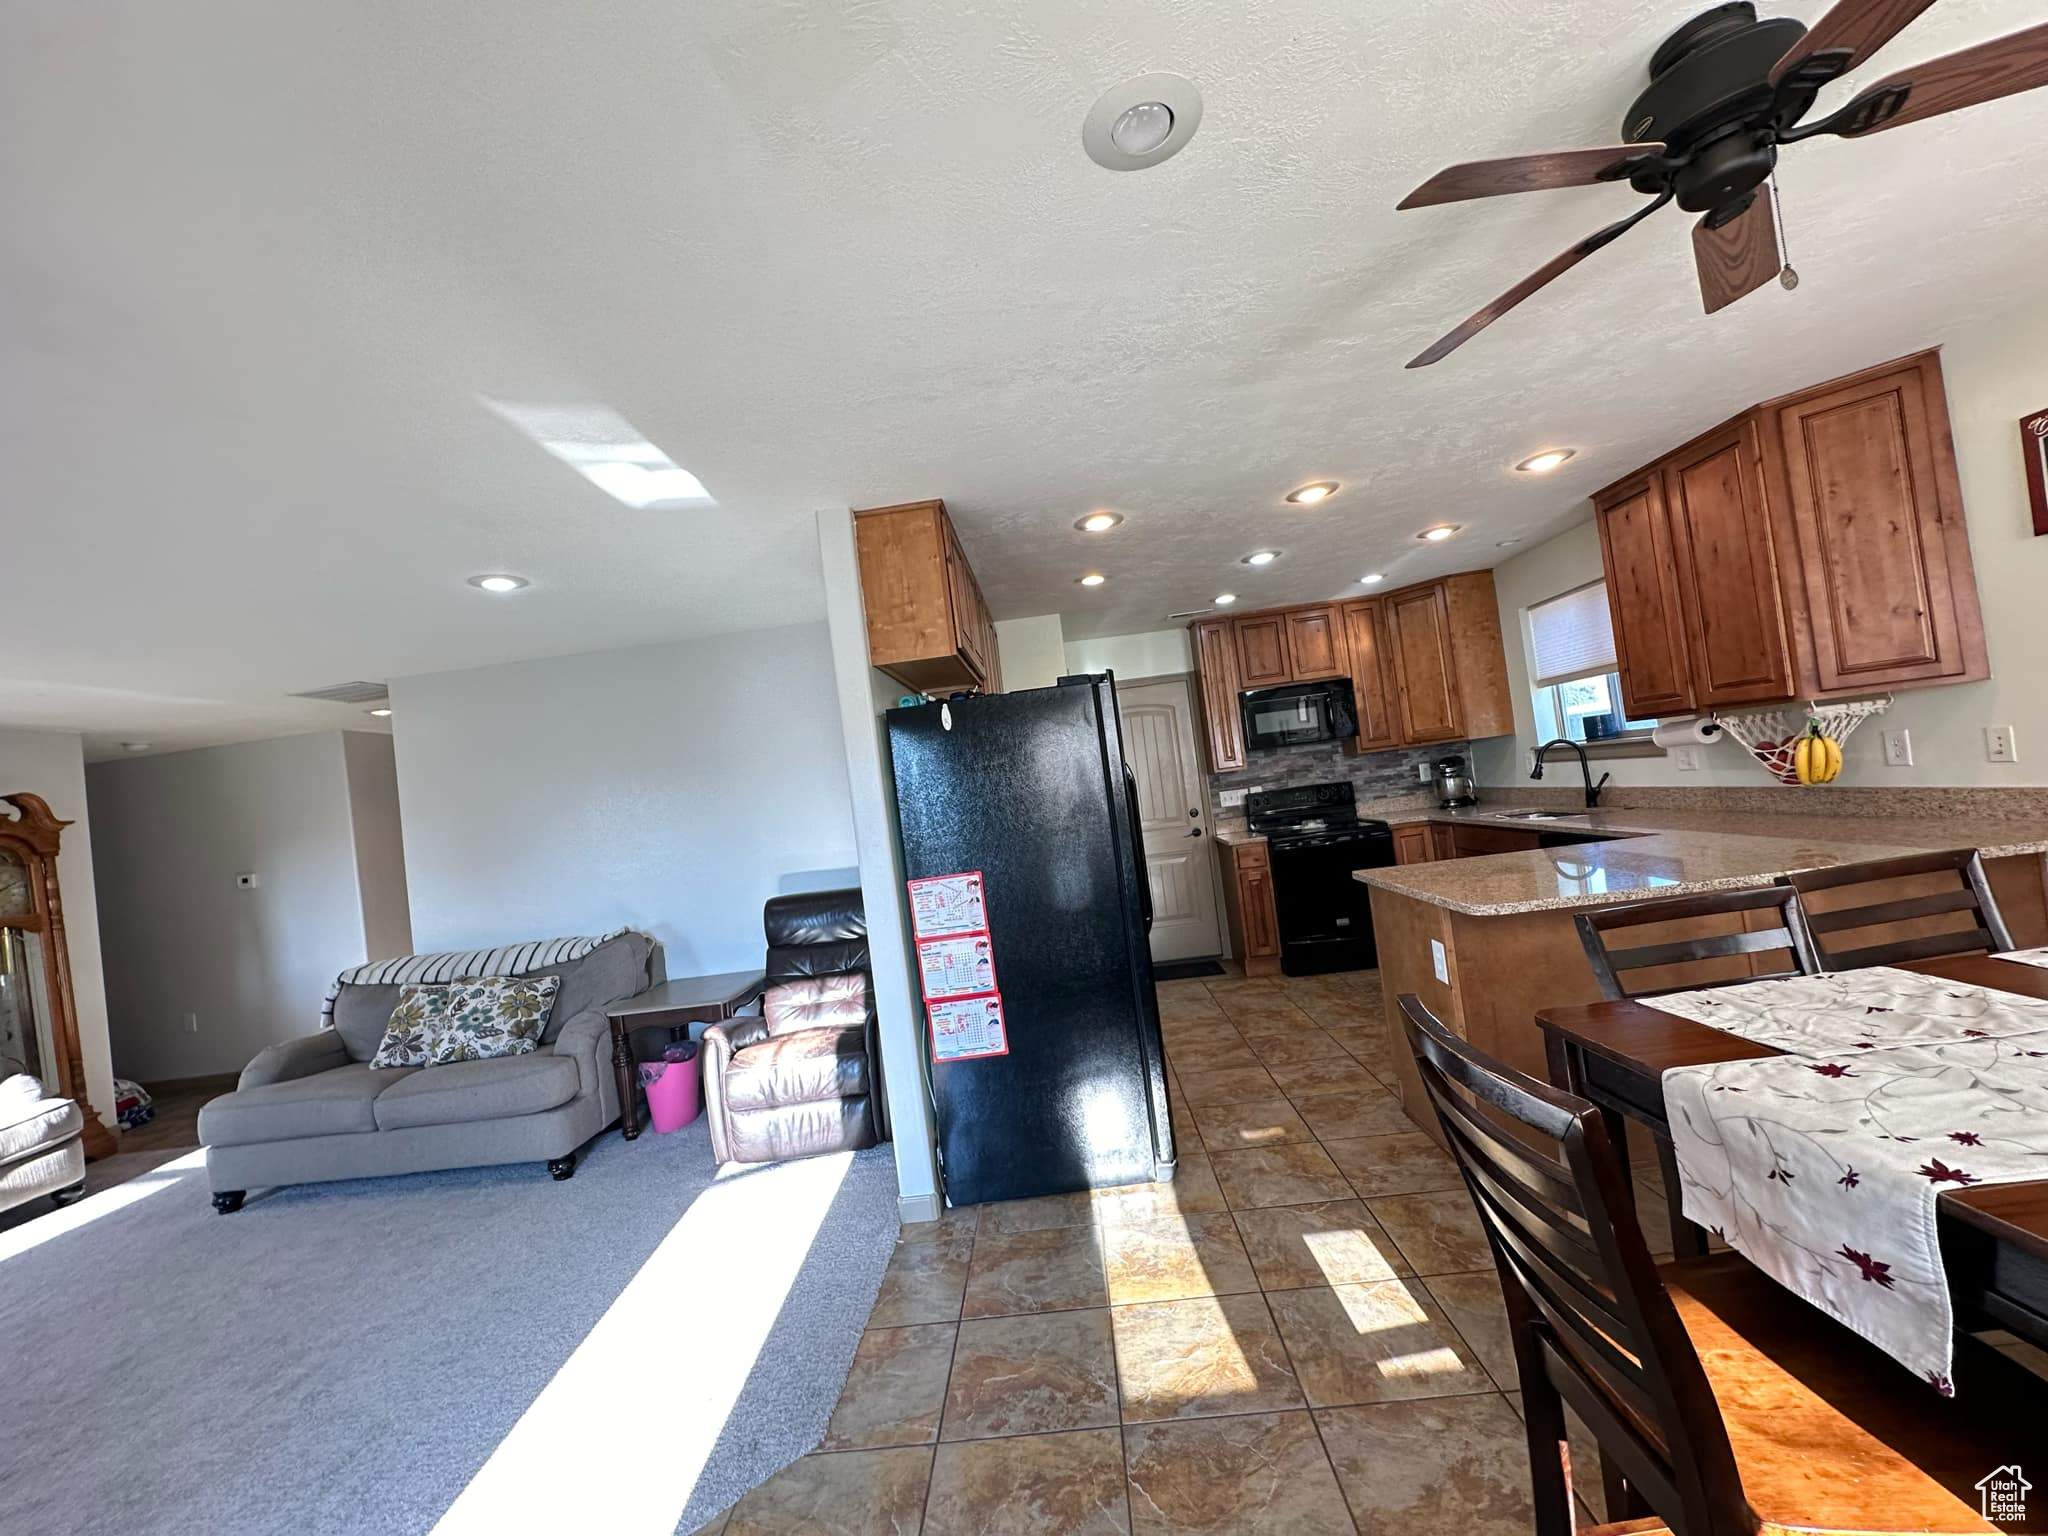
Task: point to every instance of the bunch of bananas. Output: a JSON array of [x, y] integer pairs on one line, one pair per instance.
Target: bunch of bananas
[[1817, 758]]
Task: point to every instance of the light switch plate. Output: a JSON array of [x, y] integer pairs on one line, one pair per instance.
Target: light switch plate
[[1440, 961], [1999, 746], [1230, 799], [1898, 748]]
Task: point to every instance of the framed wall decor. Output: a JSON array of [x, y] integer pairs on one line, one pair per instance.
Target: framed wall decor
[[2034, 439]]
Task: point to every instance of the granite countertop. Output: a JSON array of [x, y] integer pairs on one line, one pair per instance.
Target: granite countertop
[[1676, 853]]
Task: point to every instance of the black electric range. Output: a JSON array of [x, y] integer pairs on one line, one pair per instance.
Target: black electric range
[[1316, 840]]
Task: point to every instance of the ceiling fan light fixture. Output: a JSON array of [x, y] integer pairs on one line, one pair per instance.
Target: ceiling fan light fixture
[[1543, 463], [1136, 125], [1309, 495]]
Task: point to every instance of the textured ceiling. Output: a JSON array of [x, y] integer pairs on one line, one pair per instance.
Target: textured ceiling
[[264, 261]]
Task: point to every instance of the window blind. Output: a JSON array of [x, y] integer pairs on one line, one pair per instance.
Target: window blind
[[1571, 636]]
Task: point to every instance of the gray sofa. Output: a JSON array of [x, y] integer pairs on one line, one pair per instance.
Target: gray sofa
[[311, 1109]]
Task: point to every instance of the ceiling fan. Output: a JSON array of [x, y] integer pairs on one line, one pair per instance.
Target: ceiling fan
[[1726, 90]]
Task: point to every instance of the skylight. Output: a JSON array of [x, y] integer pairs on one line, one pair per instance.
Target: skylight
[[608, 451]]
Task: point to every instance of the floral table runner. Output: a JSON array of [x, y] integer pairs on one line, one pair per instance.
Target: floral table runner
[[1823, 1166], [1859, 1010]]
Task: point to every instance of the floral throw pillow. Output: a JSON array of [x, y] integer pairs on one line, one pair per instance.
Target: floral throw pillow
[[415, 1026], [493, 1016]]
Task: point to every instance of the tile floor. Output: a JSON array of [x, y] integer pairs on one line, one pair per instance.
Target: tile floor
[[1302, 1333]]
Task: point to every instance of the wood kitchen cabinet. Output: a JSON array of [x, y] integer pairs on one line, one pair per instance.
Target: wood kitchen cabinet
[[1425, 663], [1812, 547], [1248, 907], [928, 624], [1415, 843], [1216, 670], [1365, 638]]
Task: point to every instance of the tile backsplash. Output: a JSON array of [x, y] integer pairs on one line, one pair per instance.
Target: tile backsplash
[[1377, 775]]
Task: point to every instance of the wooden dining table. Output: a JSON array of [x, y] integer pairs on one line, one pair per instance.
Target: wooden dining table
[[1994, 1238]]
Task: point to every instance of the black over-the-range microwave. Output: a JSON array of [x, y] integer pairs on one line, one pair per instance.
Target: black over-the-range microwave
[[1298, 713]]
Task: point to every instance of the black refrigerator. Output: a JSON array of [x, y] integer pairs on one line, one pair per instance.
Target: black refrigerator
[[1041, 1031]]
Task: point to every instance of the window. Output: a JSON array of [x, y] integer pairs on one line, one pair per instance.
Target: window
[[1572, 669]]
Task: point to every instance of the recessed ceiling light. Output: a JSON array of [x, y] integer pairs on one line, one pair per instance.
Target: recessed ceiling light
[[1544, 462], [1225, 599], [135, 746], [1309, 495], [498, 583], [382, 712], [1093, 579], [1439, 533], [1099, 522], [1262, 557], [1505, 543], [1372, 578], [1136, 125], [608, 451]]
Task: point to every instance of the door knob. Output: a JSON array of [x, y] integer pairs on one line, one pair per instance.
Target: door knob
[[1196, 832]]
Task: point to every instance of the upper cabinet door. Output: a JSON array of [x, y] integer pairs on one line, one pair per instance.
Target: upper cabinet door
[[1728, 579], [1262, 659], [1365, 637], [1427, 684], [1315, 644], [1642, 599], [1884, 560], [1216, 665]]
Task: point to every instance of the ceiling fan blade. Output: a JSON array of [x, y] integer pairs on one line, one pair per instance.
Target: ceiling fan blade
[[1549, 272], [1529, 173], [1858, 27], [2005, 66], [1739, 257]]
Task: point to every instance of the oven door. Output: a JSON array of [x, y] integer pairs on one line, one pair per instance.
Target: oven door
[[1297, 714]]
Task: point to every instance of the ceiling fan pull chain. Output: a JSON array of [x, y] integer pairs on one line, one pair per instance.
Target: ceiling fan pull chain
[[1788, 276]]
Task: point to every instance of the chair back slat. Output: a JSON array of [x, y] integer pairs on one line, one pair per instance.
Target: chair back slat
[[1765, 920], [1970, 894], [1592, 1322]]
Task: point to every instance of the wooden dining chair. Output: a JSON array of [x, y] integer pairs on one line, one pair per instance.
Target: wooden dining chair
[[1723, 1405], [1721, 957], [1909, 894]]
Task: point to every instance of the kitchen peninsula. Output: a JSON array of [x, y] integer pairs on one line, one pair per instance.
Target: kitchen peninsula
[[1486, 941]]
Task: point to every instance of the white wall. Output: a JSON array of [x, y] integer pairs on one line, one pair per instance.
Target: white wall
[[1156, 653], [673, 788], [173, 832], [1994, 377], [1032, 652], [372, 767], [52, 764]]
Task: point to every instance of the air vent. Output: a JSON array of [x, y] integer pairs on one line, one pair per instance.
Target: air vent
[[1190, 613], [348, 693]]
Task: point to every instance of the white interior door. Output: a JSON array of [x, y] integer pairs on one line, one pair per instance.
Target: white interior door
[[1159, 740]]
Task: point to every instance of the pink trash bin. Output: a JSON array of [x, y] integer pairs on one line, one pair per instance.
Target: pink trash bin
[[672, 1096]]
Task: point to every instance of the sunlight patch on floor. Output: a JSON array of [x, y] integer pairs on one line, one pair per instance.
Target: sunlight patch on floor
[[618, 1438], [32, 1234]]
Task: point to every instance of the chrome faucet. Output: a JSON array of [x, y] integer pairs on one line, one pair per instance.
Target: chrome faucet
[[1585, 768]]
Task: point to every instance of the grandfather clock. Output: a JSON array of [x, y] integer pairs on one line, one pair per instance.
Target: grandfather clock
[[38, 1013]]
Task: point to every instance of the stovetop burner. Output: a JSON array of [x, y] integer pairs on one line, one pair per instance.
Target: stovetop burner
[[1310, 810]]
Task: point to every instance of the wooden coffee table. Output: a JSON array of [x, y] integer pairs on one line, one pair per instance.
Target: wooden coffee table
[[674, 1004]]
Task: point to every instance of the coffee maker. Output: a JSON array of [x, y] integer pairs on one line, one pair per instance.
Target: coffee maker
[[1453, 783]]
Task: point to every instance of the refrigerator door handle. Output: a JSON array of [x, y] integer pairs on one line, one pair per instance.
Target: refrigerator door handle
[[1138, 847]]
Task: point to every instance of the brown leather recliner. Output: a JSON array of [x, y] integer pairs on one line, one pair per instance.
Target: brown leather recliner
[[805, 1076]]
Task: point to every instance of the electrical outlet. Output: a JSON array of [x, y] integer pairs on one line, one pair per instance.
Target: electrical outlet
[[247, 882], [1440, 961], [1898, 749], [1230, 799], [191, 1023], [1686, 759], [1999, 746], [1422, 773]]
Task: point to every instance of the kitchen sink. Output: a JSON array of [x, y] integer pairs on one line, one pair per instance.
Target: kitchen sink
[[1536, 815]]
